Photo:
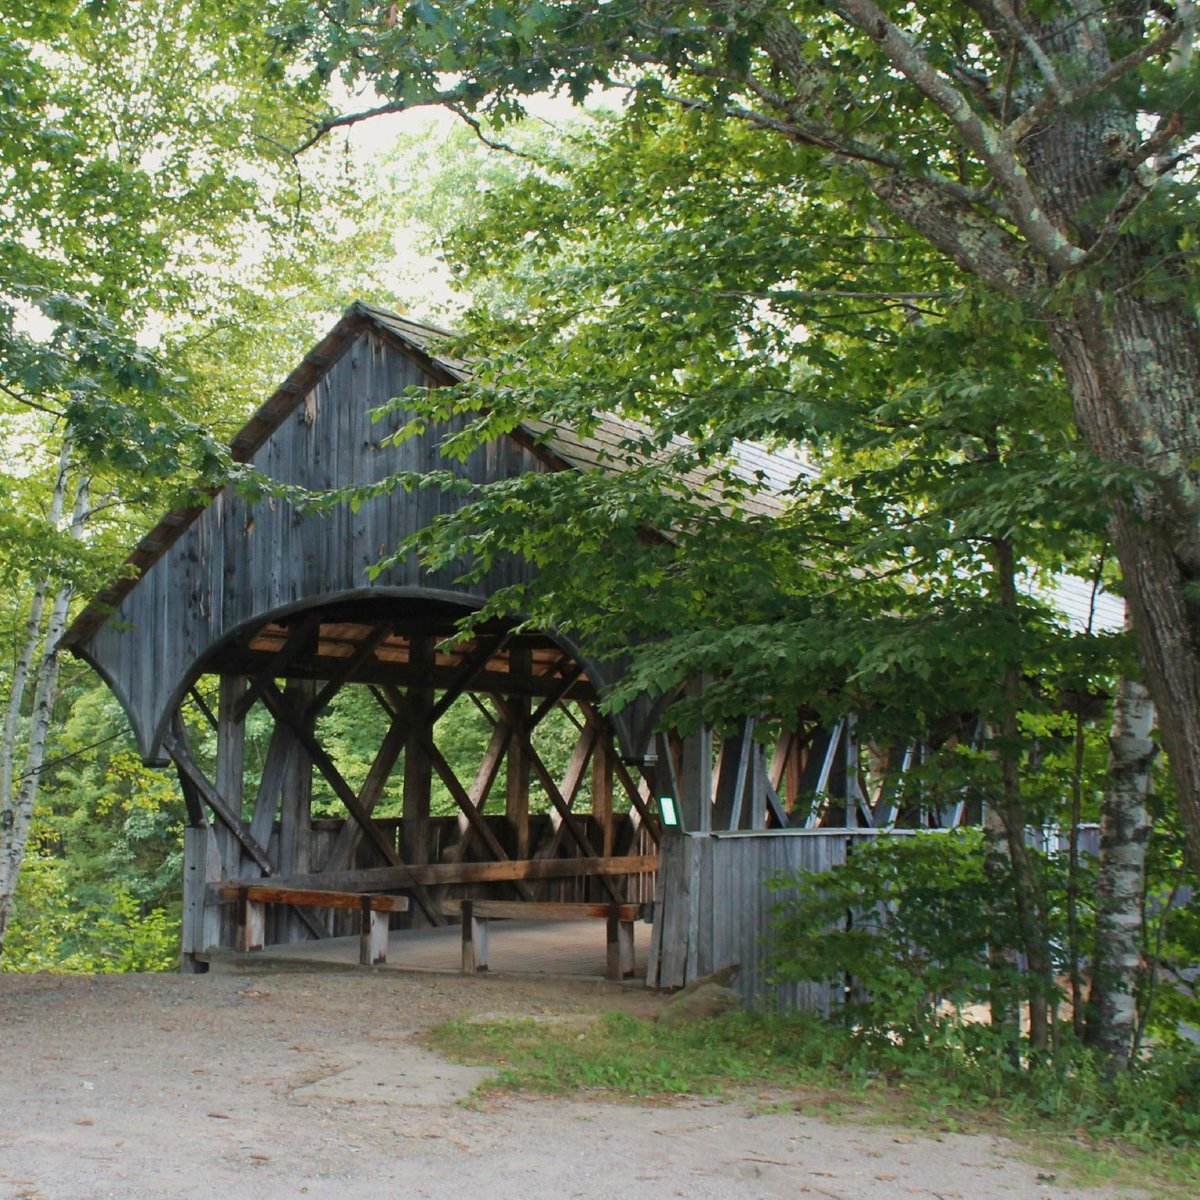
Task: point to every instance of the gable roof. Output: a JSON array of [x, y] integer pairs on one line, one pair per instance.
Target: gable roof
[[560, 448]]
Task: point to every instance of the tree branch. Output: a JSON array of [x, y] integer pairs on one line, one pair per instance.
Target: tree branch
[[477, 125], [1049, 103], [450, 98], [1145, 177], [20, 399], [843, 148], [788, 294], [979, 245], [346, 120], [993, 147], [1007, 16]]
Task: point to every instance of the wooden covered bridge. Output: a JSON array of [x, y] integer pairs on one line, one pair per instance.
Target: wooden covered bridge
[[250, 615]]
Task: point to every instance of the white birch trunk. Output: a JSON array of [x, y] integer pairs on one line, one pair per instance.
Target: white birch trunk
[[30, 644], [1125, 828], [17, 801]]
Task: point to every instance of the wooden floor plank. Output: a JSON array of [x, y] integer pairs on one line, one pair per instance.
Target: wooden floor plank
[[567, 948]]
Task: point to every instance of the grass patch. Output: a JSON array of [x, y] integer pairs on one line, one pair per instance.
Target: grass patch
[[1136, 1132], [630, 1057]]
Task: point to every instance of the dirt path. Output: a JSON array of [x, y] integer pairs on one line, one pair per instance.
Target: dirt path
[[265, 1086]]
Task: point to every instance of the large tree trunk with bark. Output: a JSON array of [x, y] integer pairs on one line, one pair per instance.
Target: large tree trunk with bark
[[1116, 303], [1125, 330], [1125, 829], [1135, 379]]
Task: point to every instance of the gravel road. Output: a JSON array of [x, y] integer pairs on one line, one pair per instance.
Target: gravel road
[[279, 1085]]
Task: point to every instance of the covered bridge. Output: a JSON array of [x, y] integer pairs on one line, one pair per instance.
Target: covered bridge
[[252, 612]]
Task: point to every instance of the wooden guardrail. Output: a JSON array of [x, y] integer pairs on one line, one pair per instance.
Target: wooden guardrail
[[252, 901], [476, 914]]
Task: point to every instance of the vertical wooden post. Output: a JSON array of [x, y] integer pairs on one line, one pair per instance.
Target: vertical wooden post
[[295, 811], [620, 945], [696, 782], [251, 918], [214, 914], [474, 941], [231, 733], [853, 792], [201, 919], [756, 786], [516, 767], [784, 771], [602, 792], [418, 770], [734, 776], [373, 937]]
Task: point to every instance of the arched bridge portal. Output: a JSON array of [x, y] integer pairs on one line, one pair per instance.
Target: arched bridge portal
[[265, 619]]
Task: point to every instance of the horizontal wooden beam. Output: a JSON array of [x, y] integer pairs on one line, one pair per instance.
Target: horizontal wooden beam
[[537, 910], [241, 661], [369, 879], [310, 897]]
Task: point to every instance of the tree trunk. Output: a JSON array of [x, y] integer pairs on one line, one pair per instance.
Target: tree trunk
[[16, 807], [1030, 911], [29, 648], [1131, 392], [1125, 828], [1126, 332], [1002, 959], [1120, 317]]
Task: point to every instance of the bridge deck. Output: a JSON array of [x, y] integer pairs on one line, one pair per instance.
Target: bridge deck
[[575, 948]]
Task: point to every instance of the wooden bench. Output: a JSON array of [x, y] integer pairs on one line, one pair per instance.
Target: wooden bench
[[252, 901], [476, 914]]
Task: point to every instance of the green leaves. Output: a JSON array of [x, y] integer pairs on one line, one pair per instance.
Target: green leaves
[[691, 277], [911, 919]]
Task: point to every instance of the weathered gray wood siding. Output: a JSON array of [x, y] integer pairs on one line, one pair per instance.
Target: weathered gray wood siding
[[713, 908], [240, 562]]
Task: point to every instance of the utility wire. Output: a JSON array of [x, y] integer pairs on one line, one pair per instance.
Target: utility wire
[[54, 762]]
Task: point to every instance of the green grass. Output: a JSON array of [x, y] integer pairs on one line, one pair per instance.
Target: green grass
[[630, 1057], [1139, 1132]]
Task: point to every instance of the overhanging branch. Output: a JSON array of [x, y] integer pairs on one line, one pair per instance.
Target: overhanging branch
[[993, 147]]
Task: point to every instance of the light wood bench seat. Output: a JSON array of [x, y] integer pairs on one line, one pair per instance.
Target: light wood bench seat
[[252, 901], [476, 914]]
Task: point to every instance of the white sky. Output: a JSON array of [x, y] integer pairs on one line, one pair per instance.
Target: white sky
[[418, 277]]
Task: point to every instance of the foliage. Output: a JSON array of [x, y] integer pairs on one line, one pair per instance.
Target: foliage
[[906, 924], [100, 890], [353, 726], [148, 199], [55, 929], [939, 431], [1034, 151], [909, 919], [1169, 999], [114, 821], [696, 278]]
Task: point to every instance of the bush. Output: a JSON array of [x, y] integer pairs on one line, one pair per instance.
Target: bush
[[909, 920], [51, 931]]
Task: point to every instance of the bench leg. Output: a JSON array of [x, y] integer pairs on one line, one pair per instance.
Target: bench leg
[[251, 925], [620, 947], [474, 941], [373, 940]]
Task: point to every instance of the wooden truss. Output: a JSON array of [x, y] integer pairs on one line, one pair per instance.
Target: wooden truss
[[295, 671], [805, 776]]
